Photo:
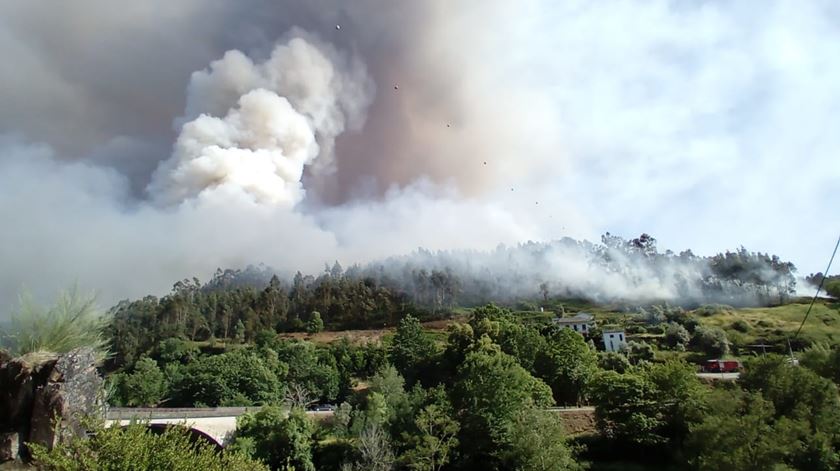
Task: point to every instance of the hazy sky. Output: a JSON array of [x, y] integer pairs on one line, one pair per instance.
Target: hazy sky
[[354, 130]]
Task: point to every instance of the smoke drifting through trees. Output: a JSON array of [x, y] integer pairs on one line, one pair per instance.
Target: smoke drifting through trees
[[613, 270]]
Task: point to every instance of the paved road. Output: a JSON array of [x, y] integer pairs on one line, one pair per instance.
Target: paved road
[[720, 376]]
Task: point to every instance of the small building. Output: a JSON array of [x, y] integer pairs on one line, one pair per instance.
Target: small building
[[614, 340], [580, 322]]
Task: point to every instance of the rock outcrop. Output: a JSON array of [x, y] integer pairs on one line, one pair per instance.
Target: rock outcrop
[[45, 397]]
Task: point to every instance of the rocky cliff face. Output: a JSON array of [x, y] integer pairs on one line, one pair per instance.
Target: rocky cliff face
[[44, 397]]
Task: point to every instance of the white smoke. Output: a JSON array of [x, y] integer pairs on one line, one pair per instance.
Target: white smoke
[[249, 129], [512, 122]]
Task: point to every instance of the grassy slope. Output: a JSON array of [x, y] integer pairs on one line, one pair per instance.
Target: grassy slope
[[771, 325], [774, 324]]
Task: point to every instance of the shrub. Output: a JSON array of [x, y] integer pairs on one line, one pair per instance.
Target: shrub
[[710, 340], [639, 351], [676, 336], [613, 362], [136, 447], [707, 310], [833, 288], [636, 329], [741, 326], [656, 329], [73, 321]]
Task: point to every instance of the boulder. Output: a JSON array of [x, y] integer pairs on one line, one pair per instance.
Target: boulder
[[47, 397]]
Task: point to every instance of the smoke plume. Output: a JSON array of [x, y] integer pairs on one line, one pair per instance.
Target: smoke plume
[[147, 142], [250, 129]]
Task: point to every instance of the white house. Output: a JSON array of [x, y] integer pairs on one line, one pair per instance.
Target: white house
[[614, 340], [580, 322]]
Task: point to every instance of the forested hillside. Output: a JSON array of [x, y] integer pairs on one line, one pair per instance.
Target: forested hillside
[[237, 304]]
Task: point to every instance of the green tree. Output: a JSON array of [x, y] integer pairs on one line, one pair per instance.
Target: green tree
[[739, 435], [650, 405], [239, 377], [639, 351], [146, 386], [136, 447], [833, 288], [540, 443], [613, 361], [391, 386], [567, 365], [710, 340], [489, 390], [823, 360], [676, 336], [315, 323], [806, 408], [174, 350], [411, 350], [795, 392], [436, 438], [280, 440], [625, 407], [311, 367]]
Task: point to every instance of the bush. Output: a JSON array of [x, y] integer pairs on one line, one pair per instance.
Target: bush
[[676, 336], [656, 330], [833, 288], [707, 310], [613, 362], [73, 321], [741, 326], [639, 351], [315, 323], [636, 329], [136, 447], [710, 340]]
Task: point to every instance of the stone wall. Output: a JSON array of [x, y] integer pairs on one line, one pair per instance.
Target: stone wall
[[44, 397]]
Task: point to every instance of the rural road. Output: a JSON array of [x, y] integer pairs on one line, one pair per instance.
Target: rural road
[[721, 376]]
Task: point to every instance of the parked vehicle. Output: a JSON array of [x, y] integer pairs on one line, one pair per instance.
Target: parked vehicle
[[721, 366], [322, 408]]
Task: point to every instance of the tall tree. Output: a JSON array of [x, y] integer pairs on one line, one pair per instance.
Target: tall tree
[[281, 441], [567, 364], [411, 350], [489, 390]]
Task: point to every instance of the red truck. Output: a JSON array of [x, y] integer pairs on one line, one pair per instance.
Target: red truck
[[721, 366]]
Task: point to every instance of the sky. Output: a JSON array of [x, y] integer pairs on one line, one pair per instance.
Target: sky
[[146, 142]]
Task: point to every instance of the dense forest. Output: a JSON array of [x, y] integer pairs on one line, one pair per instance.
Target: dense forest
[[237, 304]]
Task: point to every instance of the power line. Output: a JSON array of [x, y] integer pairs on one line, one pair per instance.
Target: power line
[[822, 280]]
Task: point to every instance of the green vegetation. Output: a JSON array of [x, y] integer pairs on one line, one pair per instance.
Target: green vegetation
[[773, 325], [73, 321], [283, 441], [474, 392], [136, 447]]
